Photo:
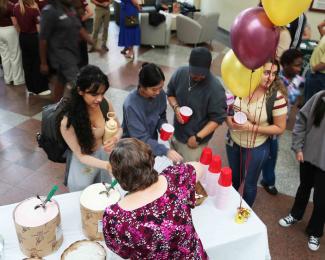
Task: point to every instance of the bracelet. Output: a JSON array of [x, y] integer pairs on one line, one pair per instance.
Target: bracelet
[[175, 106]]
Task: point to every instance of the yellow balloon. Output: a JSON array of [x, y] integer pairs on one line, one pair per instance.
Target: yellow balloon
[[240, 80], [283, 12]]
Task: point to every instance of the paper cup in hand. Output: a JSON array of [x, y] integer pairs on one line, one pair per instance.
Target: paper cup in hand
[[240, 118], [186, 113], [230, 99], [166, 131]]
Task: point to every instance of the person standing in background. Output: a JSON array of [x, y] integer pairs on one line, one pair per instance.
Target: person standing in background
[[129, 36], [296, 29], [102, 17], [315, 77], [9, 46], [166, 5], [27, 14], [144, 111], [84, 13], [321, 28], [284, 42], [308, 142], [41, 4], [60, 34]]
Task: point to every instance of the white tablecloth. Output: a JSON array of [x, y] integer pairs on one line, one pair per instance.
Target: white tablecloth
[[222, 238]]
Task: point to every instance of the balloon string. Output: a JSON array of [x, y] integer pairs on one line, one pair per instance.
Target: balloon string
[[242, 177], [250, 88], [241, 187]]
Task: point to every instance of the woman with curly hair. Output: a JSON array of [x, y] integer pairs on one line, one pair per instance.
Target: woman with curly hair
[[154, 220], [248, 144], [82, 128]]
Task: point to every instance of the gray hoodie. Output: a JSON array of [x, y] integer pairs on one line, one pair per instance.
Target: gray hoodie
[[308, 138]]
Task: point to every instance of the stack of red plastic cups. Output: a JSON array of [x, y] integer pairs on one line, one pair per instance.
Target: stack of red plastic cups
[[212, 175], [205, 160], [222, 197]]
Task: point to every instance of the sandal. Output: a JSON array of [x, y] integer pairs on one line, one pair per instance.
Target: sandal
[[124, 51], [129, 56]]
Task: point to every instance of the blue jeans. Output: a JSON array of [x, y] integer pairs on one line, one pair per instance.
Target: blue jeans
[[314, 83], [256, 160], [268, 170]]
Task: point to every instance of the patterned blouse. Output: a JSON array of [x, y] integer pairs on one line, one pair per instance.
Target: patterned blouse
[[162, 229]]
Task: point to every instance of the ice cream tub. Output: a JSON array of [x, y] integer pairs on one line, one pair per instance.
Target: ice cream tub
[[84, 249], [38, 229], [93, 202]]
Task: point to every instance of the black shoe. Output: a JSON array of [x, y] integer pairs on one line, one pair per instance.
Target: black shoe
[[269, 189], [104, 47], [124, 51], [313, 243], [288, 221], [91, 50]]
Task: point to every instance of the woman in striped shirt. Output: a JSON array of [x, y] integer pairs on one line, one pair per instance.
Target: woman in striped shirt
[[248, 144]]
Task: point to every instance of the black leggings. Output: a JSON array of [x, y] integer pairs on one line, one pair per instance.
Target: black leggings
[[311, 177], [35, 81]]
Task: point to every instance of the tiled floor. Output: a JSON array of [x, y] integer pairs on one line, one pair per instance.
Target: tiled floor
[[25, 170]]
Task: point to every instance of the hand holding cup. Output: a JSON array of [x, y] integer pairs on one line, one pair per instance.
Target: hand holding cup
[[185, 113], [166, 131]]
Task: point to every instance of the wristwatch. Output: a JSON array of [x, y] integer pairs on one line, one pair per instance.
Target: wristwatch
[[198, 139]]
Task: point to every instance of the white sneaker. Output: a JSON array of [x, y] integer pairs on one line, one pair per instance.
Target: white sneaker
[[287, 221], [313, 243], [45, 93]]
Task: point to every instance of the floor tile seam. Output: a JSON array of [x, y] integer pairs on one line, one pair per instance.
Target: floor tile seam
[[49, 180], [33, 116]]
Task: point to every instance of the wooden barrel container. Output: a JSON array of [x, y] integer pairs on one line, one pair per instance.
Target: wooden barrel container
[[93, 201], [38, 230], [84, 249]]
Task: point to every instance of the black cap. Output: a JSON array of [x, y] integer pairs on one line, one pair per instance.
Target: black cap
[[200, 61]]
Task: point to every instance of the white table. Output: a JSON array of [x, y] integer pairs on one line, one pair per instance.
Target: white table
[[222, 238]]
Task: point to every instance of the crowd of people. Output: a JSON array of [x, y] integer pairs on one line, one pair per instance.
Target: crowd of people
[[42, 38], [136, 144]]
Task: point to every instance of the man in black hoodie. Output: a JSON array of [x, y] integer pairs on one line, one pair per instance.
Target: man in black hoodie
[[60, 32]]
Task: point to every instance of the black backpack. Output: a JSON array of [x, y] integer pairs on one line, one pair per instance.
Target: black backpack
[[50, 138]]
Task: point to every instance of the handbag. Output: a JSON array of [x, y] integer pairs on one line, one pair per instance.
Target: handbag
[[131, 21]]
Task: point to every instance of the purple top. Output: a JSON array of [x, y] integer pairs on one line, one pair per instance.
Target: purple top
[[162, 229]]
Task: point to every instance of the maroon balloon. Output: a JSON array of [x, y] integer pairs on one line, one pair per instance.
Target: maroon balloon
[[253, 37]]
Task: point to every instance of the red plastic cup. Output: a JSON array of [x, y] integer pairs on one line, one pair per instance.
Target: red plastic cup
[[166, 131], [206, 156], [225, 179], [240, 118], [215, 164], [186, 113]]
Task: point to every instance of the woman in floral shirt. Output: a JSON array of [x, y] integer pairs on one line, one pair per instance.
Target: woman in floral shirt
[[154, 220]]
